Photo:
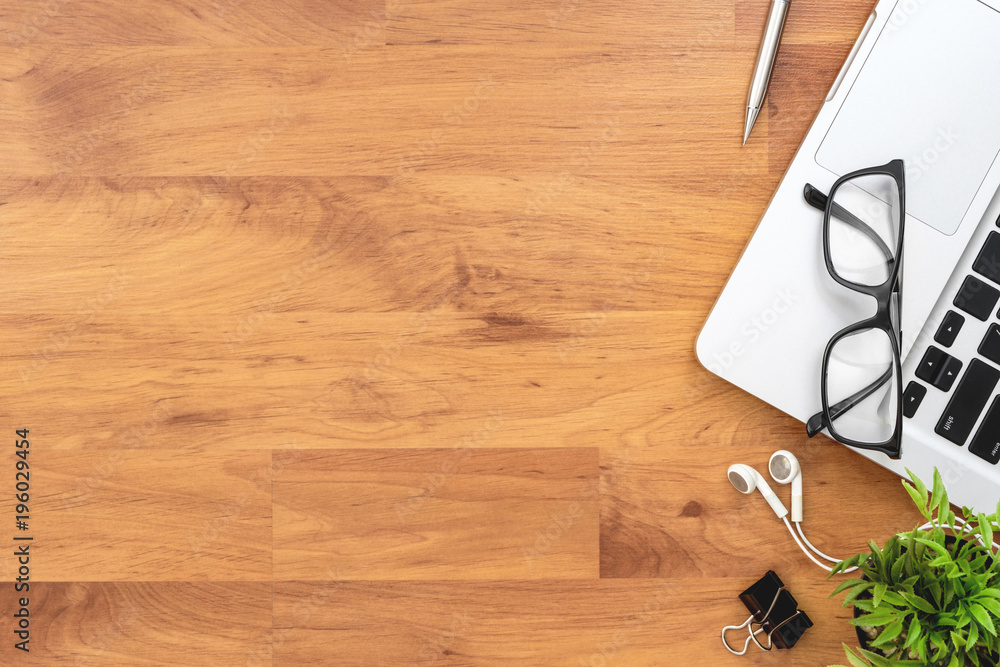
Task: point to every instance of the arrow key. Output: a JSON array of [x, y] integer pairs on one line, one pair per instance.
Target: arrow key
[[939, 369], [930, 364], [912, 398], [950, 368], [950, 326]]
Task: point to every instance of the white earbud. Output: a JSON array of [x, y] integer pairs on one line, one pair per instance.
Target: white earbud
[[746, 479], [785, 469]]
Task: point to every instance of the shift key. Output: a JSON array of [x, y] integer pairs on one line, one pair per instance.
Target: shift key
[[967, 403]]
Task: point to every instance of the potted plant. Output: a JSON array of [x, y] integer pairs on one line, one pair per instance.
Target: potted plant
[[930, 596]]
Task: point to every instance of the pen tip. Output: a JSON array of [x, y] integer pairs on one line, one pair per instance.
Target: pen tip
[[751, 119]]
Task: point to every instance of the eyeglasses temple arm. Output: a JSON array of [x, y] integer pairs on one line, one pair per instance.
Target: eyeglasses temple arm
[[817, 199], [817, 422]]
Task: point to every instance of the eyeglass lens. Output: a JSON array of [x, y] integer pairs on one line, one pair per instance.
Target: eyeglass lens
[[863, 232]]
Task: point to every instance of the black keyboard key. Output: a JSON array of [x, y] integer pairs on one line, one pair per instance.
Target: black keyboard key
[[930, 365], [986, 444], [912, 398], [990, 347], [988, 262], [977, 298], [950, 368], [939, 369], [968, 401], [950, 326]]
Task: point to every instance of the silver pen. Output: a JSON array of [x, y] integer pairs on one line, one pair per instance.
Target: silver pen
[[765, 62]]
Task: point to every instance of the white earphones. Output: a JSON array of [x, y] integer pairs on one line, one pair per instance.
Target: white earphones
[[784, 469], [746, 480]]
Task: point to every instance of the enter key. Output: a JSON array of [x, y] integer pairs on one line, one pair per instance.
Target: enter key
[[986, 444]]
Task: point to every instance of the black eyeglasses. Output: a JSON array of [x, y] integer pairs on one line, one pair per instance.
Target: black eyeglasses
[[861, 384]]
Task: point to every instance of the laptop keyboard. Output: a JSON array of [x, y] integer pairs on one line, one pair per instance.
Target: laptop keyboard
[[973, 380]]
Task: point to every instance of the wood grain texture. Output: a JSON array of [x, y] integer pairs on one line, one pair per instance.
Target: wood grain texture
[[133, 623], [457, 513], [562, 623], [362, 333]]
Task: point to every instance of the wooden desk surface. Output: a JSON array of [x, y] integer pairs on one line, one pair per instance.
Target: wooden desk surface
[[361, 333]]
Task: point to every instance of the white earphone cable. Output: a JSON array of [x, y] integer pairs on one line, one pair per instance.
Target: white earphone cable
[[801, 546], [798, 527], [965, 530]]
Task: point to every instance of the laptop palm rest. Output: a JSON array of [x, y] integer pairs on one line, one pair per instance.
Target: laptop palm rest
[[937, 105]]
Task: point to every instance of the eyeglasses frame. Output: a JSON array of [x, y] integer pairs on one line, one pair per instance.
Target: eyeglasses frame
[[888, 308]]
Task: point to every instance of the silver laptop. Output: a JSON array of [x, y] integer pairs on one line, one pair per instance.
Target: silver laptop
[[922, 84]]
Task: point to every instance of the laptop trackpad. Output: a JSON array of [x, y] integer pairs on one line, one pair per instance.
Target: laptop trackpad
[[929, 93]]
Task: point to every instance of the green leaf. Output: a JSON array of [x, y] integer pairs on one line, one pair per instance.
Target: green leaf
[[853, 659], [935, 590], [850, 583], [877, 593], [938, 493], [854, 592], [941, 561], [938, 548], [921, 487], [890, 632], [894, 599], [983, 617], [919, 499], [986, 530], [918, 602], [876, 620], [865, 604], [875, 658], [990, 592], [991, 605], [897, 568], [912, 633]]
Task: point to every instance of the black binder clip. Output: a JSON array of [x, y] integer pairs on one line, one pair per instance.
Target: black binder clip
[[774, 611]]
